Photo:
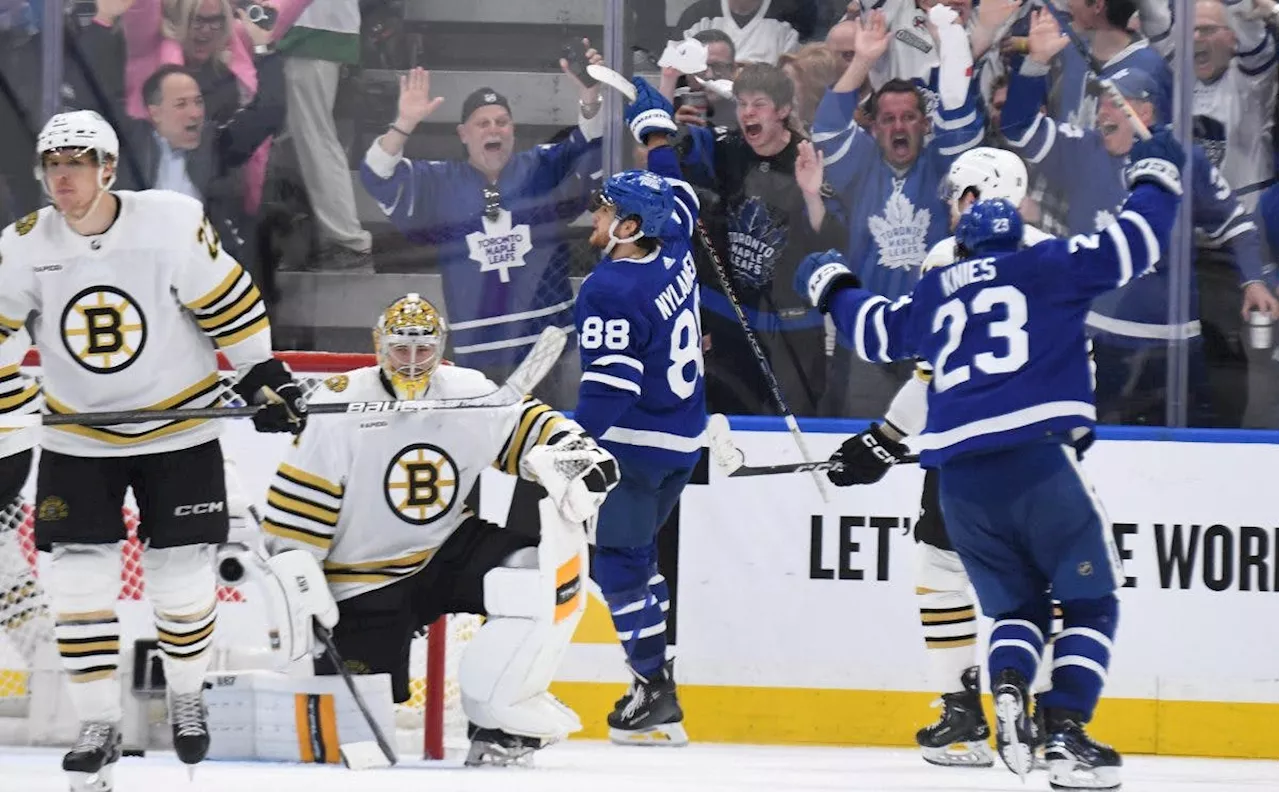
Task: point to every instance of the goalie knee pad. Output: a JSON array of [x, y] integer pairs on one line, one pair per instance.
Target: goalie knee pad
[[533, 610], [83, 584], [1082, 653], [180, 585]]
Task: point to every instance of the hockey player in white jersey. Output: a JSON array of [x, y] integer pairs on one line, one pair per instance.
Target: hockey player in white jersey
[[947, 610], [24, 607], [379, 500], [132, 296]]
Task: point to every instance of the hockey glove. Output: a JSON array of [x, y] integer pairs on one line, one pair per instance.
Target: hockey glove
[[866, 457], [650, 112], [1158, 161], [821, 275], [576, 473], [271, 384]]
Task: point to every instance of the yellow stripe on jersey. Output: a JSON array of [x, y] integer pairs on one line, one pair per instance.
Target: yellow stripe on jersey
[[196, 392], [378, 571], [262, 323], [16, 401], [9, 326], [232, 312], [305, 479], [297, 534], [301, 507], [514, 449], [219, 292]]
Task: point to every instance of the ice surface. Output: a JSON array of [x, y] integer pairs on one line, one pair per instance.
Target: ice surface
[[600, 767]]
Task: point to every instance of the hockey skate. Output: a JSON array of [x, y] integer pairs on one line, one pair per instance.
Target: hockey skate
[[499, 748], [650, 713], [1013, 722], [189, 719], [1075, 760], [959, 738], [1037, 735], [91, 762]]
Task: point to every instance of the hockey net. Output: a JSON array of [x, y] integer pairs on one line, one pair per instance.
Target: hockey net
[[432, 719]]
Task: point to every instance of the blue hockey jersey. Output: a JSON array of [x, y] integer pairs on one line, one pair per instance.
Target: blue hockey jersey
[[1091, 182], [893, 218], [642, 395], [1074, 103], [506, 277], [1005, 334]]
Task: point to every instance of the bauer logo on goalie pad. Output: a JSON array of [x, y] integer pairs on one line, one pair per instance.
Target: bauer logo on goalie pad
[[103, 329], [421, 483]]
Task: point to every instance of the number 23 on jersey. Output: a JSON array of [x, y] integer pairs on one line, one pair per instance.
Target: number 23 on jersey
[[684, 349]]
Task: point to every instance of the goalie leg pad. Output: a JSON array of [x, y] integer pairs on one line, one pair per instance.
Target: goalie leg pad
[[180, 585], [948, 616], [534, 603], [84, 582]]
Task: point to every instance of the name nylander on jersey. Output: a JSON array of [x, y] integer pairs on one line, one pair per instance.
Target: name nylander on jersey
[[1005, 333], [639, 332]]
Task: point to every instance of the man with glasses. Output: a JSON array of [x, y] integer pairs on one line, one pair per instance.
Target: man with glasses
[[497, 219]]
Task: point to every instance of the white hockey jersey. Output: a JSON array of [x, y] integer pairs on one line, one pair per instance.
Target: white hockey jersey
[[131, 319], [375, 495], [19, 394]]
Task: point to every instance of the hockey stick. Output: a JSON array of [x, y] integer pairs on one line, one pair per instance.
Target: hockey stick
[[729, 458], [1095, 67], [536, 365], [356, 759], [763, 362]]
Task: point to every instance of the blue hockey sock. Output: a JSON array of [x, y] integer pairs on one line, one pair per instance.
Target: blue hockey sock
[[1082, 654], [1017, 641], [637, 605]]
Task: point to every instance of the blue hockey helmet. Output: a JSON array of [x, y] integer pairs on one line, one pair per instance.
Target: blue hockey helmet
[[637, 193], [989, 226]]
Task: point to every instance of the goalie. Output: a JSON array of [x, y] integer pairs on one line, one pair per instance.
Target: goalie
[[378, 500]]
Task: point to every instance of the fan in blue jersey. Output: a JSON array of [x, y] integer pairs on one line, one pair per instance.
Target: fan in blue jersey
[[496, 220], [1086, 168], [1003, 329], [642, 398]]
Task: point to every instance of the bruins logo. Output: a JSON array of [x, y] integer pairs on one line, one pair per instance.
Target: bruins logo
[[24, 226], [103, 329], [421, 483], [337, 383], [52, 509]]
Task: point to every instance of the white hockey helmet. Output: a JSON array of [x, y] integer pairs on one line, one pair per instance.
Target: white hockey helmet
[[991, 172], [80, 130]]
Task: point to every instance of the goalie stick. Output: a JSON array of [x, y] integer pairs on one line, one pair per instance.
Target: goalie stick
[[536, 365]]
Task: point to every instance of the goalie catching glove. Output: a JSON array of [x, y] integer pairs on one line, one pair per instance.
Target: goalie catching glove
[[866, 457], [576, 473], [270, 383]]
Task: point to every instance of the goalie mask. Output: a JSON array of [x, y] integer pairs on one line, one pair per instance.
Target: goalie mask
[[409, 341]]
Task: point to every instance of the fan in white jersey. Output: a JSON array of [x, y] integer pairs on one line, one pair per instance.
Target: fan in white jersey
[[947, 608], [127, 291], [379, 499]]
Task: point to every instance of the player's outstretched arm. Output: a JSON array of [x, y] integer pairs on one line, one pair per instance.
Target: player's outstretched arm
[[1132, 245], [882, 332]]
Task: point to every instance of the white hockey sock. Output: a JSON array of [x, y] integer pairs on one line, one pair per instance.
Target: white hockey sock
[[950, 633], [90, 647], [185, 641], [181, 587]]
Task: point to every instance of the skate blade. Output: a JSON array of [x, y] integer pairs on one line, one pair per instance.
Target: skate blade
[[1018, 756], [1069, 775], [485, 756], [961, 754], [100, 781], [667, 735]]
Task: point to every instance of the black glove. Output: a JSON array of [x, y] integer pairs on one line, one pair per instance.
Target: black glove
[[270, 383], [1157, 161], [866, 457]]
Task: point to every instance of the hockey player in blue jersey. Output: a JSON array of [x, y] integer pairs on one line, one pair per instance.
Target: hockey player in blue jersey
[[642, 398], [1003, 329]]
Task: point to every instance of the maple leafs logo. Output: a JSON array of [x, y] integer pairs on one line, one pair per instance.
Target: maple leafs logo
[[756, 239], [900, 232], [1103, 219]]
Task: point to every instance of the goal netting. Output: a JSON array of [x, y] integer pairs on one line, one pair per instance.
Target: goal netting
[[431, 722]]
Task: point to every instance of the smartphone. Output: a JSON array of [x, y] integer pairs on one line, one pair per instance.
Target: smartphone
[[260, 15], [576, 56]]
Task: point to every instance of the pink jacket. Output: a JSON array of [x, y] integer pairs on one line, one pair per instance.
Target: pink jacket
[[148, 50]]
